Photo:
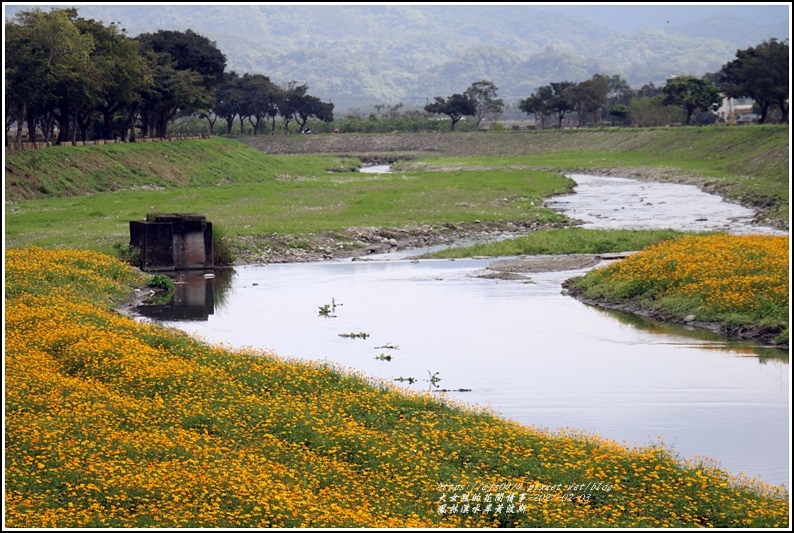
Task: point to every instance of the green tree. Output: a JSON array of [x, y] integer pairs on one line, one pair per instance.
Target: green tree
[[289, 101], [228, 98], [535, 105], [552, 98], [691, 93], [488, 105], [47, 67], [455, 107], [620, 91], [647, 111], [29, 88], [310, 106], [120, 73], [186, 69], [259, 98], [761, 73], [589, 97], [619, 112]]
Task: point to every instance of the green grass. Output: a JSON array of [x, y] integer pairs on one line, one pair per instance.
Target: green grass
[[80, 170], [303, 198], [562, 241]]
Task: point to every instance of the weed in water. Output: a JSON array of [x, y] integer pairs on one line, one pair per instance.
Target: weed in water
[[434, 379], [359, 335]]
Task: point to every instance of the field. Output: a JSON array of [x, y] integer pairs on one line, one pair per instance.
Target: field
[[116, 423]]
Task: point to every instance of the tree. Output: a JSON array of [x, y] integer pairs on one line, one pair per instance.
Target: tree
[[47, 67], [691, 93], [120, 72], [535, 105], [488, 105], [172, 91], [259, 99], [548, 99], [620, 91], [309, 106], [646, 111], [187, 69], [760, 73], [649, 90], [620, 112], [289, 102], [455, 107], [589, 97], [228, 99]]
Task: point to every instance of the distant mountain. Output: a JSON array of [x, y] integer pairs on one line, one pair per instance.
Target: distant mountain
[[358, 55]]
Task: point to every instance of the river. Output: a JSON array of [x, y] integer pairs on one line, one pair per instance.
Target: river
[[526, 351]]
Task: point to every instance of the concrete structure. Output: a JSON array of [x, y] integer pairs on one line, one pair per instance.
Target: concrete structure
[[173, 242]]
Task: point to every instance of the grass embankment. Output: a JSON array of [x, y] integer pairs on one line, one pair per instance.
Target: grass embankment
[[740, 283], [116, 423], [252, 195], [749, 165]]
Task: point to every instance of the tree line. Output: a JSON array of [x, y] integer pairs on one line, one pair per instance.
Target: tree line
[[760, 73], [68, 77]]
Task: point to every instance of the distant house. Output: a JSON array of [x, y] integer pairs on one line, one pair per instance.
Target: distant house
[[737, 111]]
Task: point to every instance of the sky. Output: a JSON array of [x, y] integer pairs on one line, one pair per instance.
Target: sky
[[627, 17]]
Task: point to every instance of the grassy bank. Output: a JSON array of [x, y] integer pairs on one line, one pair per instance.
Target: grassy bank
[[116, 423], [255, 196], [740, 283], [749, 165], [562, 241]]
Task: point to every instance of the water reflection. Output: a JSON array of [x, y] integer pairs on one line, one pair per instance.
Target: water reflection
[[701, 338], [197, 293]]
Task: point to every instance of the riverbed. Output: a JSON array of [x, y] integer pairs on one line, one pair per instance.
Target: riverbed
[[524, 350]]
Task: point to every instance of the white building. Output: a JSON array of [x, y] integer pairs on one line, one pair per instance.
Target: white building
[[736, 110]]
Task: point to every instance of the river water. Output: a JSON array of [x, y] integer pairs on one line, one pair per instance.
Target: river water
[[525, 350]]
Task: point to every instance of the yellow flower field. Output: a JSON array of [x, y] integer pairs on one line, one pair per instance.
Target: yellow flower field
[[741, 281], [116, 423]]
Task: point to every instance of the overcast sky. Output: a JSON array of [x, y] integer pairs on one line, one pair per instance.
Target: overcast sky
[[618, 16], [626, 17]]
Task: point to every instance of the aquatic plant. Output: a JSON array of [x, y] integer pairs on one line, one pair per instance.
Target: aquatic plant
[[434, 379], [353, 335]]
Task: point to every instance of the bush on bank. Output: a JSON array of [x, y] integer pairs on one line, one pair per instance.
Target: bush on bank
[[112, 422]]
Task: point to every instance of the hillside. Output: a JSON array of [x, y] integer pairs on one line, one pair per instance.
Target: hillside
[[362, 55]]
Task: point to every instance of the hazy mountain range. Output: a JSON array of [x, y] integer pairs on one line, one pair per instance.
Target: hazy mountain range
[[358, 55]]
